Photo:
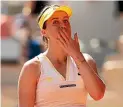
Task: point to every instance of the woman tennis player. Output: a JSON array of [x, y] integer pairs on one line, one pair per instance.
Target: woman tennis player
[[62, 76]]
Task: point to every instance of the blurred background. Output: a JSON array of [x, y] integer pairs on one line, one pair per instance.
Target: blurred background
[[100, 29]]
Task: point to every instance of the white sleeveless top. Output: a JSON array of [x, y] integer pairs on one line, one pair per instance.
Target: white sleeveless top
[[53, 90]]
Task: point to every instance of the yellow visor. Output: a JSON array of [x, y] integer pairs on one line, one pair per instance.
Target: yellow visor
[[49, 12]]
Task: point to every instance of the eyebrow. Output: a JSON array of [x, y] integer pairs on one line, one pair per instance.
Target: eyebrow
[[58, 18], [66, 17], [54, 18]]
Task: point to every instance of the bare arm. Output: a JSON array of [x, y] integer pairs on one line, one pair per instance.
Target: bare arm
[[87, 69], [27, 84], [93, 83]]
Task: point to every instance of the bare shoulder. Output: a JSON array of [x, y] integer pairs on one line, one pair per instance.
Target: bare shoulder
[[30, 69], [27, 83], [32, 64]]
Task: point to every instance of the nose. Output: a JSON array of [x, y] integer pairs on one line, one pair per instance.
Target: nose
[[63, 26]]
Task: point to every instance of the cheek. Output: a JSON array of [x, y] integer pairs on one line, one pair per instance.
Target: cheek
[[53, 32]]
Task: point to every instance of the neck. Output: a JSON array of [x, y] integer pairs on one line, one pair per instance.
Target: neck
[[56, 54]]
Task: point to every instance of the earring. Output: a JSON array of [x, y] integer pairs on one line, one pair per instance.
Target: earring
[[48, 38]]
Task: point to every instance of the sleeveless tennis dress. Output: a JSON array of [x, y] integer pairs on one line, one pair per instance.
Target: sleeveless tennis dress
[[53, 90]]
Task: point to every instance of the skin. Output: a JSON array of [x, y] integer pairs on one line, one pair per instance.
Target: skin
[[58, 31]]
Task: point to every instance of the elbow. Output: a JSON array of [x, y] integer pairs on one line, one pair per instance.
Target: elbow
[[98, 97]]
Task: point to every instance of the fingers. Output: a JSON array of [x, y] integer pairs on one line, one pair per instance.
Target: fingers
[[76, 37], [64, 31], [64, 34], [61, 44], [61, 40]]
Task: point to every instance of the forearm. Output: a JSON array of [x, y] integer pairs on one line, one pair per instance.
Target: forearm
[[93, 83]]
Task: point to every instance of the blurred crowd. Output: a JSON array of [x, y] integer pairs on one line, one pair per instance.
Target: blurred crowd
[[23, 28]]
